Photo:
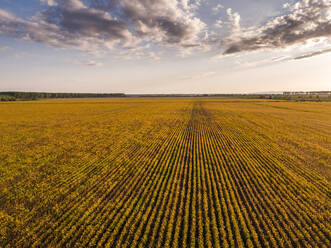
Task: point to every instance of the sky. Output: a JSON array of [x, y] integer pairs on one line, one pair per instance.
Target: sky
[[165, 46]]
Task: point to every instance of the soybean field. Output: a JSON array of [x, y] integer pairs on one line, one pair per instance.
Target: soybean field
[[165, 172]]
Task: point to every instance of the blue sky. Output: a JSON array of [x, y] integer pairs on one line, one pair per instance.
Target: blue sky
[[165, 46]]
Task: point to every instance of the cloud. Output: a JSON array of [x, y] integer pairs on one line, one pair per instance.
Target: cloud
[[199, 76], [308, 55], [91, 63], [218, 23], [306, 20], [153, 56], [97, 26], [94, 24], [234, 19], [44, 32], [4, 48], [164, 21], [48, 2], [217, 8]]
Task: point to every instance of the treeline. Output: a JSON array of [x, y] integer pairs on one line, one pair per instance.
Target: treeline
[[13, 95], [27, 96], [298, 98], [5, 98]]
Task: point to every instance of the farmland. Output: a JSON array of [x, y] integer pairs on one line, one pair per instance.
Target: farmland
[[191, 172]]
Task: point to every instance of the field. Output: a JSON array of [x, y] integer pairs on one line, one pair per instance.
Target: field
[[164, 172]]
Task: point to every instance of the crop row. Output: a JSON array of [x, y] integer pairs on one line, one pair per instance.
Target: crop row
[[201, 181]]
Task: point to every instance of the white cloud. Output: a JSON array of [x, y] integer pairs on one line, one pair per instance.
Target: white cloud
[[4, 48], [91, 63], [97, 26], [217, 8], [49, 2], [234, 19], [153, 56], [91, 25], [308, 19], [200, 75], [94, 63], [312, 54], [218, 23]]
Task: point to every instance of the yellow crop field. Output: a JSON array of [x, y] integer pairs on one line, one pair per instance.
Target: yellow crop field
[[165, 172]]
